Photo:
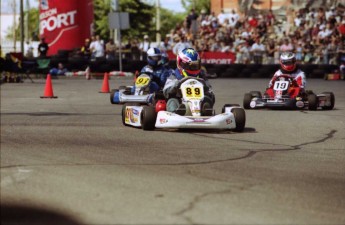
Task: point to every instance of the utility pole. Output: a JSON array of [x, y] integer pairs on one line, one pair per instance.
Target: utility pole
[[22, 26], [158, 22]]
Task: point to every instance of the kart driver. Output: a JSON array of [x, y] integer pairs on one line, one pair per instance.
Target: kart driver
[[188, 64], [288, 66], [159, 72]]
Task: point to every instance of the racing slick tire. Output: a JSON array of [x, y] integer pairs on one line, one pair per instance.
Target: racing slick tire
[[148, 118], [312, 102], [240, 118], [256, 94], [331, 95], [112, 94], [246, 100], [228, 105]]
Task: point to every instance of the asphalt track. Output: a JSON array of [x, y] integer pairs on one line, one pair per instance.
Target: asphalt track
[[70, 160]]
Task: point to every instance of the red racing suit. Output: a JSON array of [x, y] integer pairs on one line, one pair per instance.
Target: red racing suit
[[298, 75]]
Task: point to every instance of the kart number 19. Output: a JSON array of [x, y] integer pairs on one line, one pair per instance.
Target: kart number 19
[[281, 85], [193, 92]]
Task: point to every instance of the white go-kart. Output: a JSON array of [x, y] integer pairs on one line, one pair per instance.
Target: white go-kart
[[141, 91], [192, 90]]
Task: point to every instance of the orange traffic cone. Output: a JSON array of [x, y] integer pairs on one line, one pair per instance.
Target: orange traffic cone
[[136, 75], [105, 86], [48, 91]]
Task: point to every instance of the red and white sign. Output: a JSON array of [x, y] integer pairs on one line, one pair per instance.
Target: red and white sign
[[65, 24], [211, 57]]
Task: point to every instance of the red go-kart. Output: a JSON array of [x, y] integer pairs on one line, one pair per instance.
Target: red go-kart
[[286, 93]]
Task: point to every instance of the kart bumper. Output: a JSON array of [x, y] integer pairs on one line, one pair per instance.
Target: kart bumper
[[171, 120]]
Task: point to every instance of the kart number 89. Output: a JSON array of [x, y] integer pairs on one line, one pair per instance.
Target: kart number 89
[[193, 92]]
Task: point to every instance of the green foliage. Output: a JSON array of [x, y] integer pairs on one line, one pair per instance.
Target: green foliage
[[198, 5]]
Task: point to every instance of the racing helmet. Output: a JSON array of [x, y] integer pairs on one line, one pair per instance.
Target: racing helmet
[[165, 59], [154, 57], [188, 62], [288, 61]]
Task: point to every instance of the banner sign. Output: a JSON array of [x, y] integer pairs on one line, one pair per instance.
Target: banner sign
[[65, 24], [211, 57]]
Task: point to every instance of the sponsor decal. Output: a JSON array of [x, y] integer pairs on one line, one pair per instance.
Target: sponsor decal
[[199, 120], [163, 120], [135, 112], [228, 121], [44, 5], [299, 104], [252, 104]]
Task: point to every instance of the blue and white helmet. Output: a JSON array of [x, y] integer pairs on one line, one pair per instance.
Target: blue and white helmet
[[165, 59], [154, 57]]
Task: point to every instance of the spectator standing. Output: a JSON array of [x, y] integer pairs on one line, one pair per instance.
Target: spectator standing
[[110, 49], [85, 50], [286, 46], [144, 46], [258, 50], [270, 49], [43, 48], [191, 22], [97, 48], [180, 45]]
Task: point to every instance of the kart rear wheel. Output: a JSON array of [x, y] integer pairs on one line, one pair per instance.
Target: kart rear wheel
[[246, 100], [240, 118], [148, 118], [228, 105], [312, 102], [331, 94], [256, 94], [112, 94]]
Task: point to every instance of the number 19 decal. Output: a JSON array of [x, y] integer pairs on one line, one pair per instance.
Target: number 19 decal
[[281, 85]]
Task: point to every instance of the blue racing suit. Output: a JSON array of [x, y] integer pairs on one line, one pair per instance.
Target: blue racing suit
[[159, 76]]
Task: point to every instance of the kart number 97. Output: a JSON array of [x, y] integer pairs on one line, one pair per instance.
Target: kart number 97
[[191, 92], [141, 81], [281, 85]]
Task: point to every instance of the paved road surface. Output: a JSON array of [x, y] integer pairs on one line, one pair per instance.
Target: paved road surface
[[71, 160]]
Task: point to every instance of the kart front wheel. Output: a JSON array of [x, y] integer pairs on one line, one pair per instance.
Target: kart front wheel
[[148, 118], [331, 95], [246, 100], [312, 102], [112, 94], [240, 118]]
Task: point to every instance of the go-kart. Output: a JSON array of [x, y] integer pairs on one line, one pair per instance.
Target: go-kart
[[285, 93], [195, 114], [141, 91]]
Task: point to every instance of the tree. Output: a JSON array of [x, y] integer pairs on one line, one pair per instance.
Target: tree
[[198, 5]]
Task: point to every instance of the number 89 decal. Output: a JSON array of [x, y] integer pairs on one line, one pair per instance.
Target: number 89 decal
[[193, 92]]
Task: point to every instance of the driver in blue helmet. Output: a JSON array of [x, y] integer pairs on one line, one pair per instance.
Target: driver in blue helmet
[[156, 69], [188, 65]]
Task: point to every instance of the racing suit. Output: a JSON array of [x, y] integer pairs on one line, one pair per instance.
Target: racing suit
[[170, 89], [299, 77], [159, 76]]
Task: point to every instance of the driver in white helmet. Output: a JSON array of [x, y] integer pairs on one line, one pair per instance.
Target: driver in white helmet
[[288, 66]]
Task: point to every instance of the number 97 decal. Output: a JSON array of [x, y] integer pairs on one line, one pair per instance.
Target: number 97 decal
[[141, 81], [193, 92]]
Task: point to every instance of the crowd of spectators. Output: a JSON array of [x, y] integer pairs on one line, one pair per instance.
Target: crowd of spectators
[[316, 35]]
